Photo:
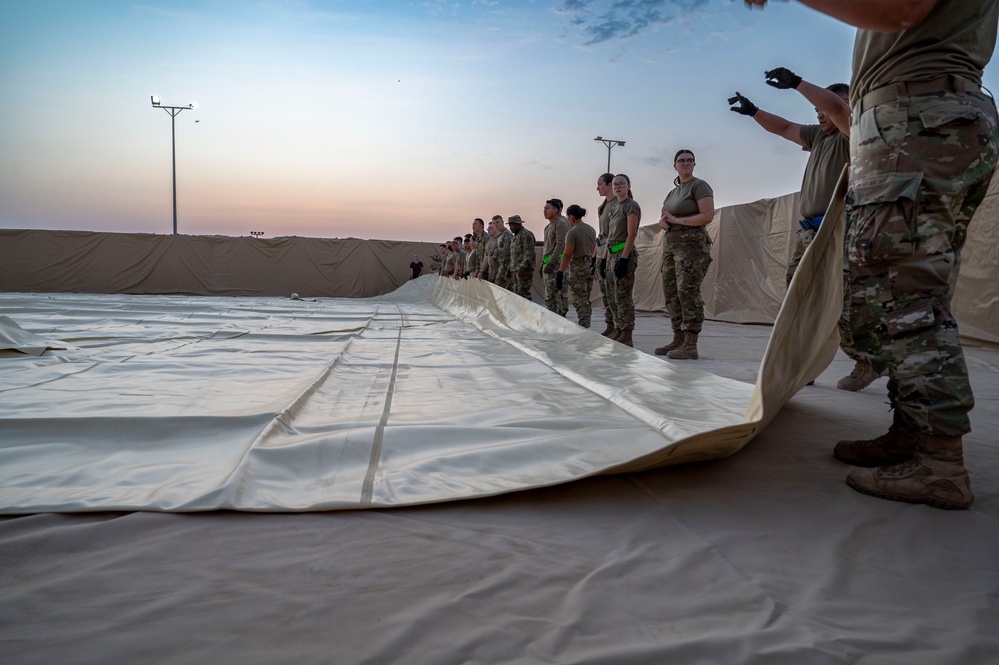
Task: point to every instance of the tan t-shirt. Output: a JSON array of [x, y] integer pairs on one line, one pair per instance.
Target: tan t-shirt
[[829, 153], [682, 201], [957, 37], [555, 238], [583, 239], [618, 232]]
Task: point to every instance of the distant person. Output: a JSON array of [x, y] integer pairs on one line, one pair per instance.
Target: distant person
[[556, 299], [600, 255], [580, 243], [688, 209], [489, 262], [923, 148], [622, 257], [416, 267], [522, 257], [504, 241]]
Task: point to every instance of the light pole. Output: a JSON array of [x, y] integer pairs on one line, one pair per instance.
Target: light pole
[[610, 143], [173, 111]]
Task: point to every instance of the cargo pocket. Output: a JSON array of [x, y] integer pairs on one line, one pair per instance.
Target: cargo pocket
[[883, 212], [950, 111]]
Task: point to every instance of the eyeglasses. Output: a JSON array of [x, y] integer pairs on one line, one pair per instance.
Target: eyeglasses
[[685, 160]]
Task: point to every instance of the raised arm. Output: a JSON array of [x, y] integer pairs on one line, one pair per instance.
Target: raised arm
[[878, 15]]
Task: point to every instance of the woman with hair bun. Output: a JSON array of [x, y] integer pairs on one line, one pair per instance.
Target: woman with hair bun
[[580, 243], [622, 257], [687, 210]]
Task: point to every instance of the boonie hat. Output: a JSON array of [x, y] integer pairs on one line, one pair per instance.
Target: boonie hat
[[515, 219]]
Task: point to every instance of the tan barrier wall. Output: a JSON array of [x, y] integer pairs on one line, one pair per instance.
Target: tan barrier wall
[[745, 283]]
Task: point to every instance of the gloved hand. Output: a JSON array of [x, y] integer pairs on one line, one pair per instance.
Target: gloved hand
[[745, 107], [593, 264], [522, 273], [603, 267], [558, 280], [621, 267], [548, 268], [782, 78]]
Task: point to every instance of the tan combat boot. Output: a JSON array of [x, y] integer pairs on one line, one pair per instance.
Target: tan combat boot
[[625, 336], [675, 344], [687, 350], [896, 445], [935, 475], [861, 377], [609, 321]]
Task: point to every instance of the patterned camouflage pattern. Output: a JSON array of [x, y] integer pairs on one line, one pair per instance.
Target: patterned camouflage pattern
[[579, 281], [503, 243], [803, 240], [522, 262], [919, 168], [556, 300], [606, 292], [622, 289], [686, 257], [473, 262]]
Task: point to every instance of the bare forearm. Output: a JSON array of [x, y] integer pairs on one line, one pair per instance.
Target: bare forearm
[[879, 15], [829, 103], [778, 125]]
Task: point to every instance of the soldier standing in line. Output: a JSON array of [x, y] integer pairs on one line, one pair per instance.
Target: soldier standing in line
[[600, 255], [687, 210], [924, 142], [488, 269], [480, 237], [551, 255], [504, 240], [580, 243], [474, 257], [622, 258], [522, 257]]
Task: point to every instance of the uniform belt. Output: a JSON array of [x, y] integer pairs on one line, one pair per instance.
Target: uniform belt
[[548, 258], [904, 90], [811, 223], [614, 249]]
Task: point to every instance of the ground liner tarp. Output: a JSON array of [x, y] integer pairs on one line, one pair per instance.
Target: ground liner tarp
[[441, 390]]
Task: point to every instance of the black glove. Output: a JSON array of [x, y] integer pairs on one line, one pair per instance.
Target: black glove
[[745, 107], [558, 280], [621, 267], [783, 78], [603, 267], [593, 264]]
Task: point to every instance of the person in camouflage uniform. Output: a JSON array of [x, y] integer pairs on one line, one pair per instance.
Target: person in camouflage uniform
[[687, 210], [488, 269], [924, 144], [556, 298], [522, 257], [474, 259], [580, 243], [481, 238], [622, 257], [600, 256], [504, 241]]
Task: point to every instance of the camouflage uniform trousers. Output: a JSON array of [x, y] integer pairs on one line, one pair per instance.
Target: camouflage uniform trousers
[[804, 238], [919, 168], [580, 284], [606, 293], [522, 285], [623, 290], [503, 277], [686, 257], [556, 300]]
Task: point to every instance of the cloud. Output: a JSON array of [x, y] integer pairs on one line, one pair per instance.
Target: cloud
[[623, 20]]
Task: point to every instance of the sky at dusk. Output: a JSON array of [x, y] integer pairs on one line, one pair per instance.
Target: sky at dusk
[[388, 120]]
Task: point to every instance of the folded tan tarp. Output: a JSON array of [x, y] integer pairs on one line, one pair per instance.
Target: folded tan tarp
[[441, 390]]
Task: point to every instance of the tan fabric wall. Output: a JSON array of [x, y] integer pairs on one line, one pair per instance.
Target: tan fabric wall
[[752, 243], [745, 283], [88, 262]]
